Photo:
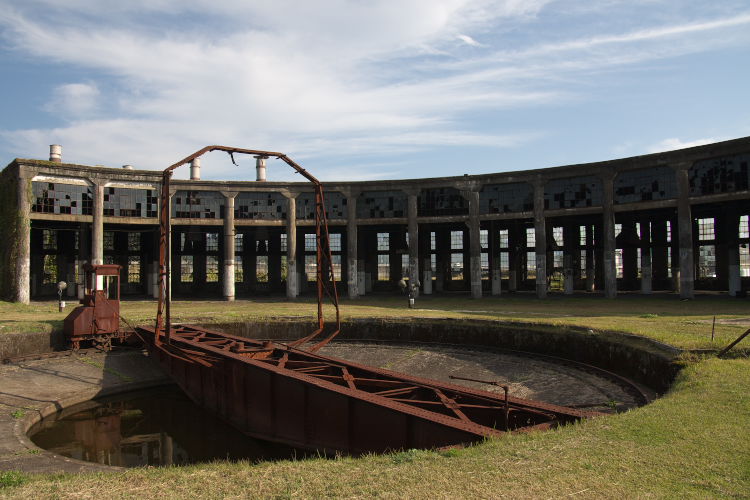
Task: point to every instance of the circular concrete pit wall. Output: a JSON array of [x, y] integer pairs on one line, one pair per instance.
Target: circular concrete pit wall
[[648, 362]]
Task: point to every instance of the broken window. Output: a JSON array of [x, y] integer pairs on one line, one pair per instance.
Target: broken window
[[134, 268], [384, 267], [384, 242], [706, 229], [457, 266], [49, 275], [212, 269], [212, 242], [457, 240], [260, 206], [134, 242], [506, 198], [381, 204], [49, 239], [530, 237], [261, 268], [186, 268]]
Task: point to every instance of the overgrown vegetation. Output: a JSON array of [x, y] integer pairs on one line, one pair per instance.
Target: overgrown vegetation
[[9, 222]]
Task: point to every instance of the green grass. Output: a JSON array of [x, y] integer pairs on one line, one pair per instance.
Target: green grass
[[693, 442], [662, 317]]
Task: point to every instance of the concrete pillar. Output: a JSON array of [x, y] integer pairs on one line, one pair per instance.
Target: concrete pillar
[[685, 230], [540, 232], [590, 265], [413, 229], [493, 248], [515, 244], [292, 279], [352, 272], [97, 225], [732, 226], [23, 248], [475, 247], [228, 285], [570, 232], [608, 228], [646, 270]]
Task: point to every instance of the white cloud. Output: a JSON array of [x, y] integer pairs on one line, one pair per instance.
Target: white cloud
[[74, 100], [311, 79], [673, 143], [469, 40]]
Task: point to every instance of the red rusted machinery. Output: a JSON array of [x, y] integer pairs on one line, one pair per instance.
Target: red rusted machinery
[[285, 393], [97, 320]]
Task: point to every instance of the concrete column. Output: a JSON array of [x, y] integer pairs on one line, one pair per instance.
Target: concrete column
[[475, 247], [685, 230], [515, 243], [608, 228], [352, 272], [540, 232], [646, 270], [590, 266], [413, 229], [495, 273], [228, 285], [570, 232], [732, 226], [23, 248], [292, 280], [97, 225]]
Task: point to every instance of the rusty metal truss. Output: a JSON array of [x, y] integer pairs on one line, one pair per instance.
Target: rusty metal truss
[[278, 392]]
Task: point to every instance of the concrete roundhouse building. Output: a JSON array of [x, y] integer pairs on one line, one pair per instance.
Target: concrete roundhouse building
[[674, 221]]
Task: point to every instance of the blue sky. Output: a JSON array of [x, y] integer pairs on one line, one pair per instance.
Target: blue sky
[[376, 89]]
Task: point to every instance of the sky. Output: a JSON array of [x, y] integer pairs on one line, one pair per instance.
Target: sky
[[370, 89]]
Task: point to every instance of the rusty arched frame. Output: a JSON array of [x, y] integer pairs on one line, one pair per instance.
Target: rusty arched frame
[[326, 283]]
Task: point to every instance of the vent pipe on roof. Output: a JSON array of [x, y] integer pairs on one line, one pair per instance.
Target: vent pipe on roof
[[260, 168], [55, 153], [195, 170]]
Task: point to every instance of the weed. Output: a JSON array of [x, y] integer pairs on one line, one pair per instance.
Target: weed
[[403, 457], [19, 413], [11, 478]]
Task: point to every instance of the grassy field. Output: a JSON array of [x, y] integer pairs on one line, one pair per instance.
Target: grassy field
[[685, 324], [693, 442]]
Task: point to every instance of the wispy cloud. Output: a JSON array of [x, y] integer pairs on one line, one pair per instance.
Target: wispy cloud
[[313, 78], [675, 143]]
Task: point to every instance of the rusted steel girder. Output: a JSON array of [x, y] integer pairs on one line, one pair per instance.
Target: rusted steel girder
[[326, 283], [281, 393]]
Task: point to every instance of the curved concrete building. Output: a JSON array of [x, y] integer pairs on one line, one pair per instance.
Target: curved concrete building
[[674, 221]]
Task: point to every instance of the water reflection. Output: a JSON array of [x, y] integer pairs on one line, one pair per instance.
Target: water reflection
[[158, 427]]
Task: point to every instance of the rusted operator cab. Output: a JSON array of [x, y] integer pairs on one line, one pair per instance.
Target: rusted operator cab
[[98, 318]]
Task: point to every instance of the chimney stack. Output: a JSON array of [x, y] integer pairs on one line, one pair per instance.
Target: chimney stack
[[55, 153], [260, 168], [195, 170]]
